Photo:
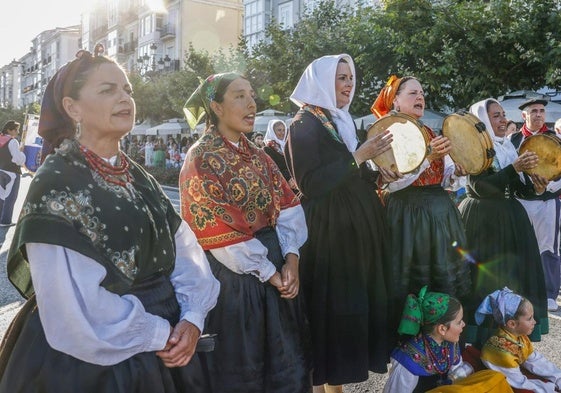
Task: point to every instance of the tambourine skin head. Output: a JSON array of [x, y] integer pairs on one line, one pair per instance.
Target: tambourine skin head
[[472, 146], [548, 150], [409, 146]]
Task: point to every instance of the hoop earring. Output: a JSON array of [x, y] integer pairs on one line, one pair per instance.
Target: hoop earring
[[78, 129]]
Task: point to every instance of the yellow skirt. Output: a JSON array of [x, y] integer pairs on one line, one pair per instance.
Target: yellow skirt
[[486, 381]]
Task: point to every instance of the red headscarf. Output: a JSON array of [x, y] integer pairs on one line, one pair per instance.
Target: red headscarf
[[384, 101]]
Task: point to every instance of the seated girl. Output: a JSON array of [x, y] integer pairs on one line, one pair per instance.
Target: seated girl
[[431, 358], [510, 350]]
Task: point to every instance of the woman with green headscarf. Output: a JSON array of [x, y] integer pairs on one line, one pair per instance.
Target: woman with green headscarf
[[430, 360], [251, 225]]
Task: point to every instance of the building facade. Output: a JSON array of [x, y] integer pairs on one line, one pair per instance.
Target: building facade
[[145, 36], [259, 13]]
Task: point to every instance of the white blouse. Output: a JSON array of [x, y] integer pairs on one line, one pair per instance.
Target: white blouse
[[537, 364], [88, 322], [404, 381], [250, 257], [449, 180]]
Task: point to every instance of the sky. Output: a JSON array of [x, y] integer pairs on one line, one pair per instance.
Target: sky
[[23, 20]]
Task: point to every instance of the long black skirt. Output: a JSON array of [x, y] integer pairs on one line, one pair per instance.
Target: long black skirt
[[262, 343], [34, 367], [428, 239], [505, 250], [346, 278]]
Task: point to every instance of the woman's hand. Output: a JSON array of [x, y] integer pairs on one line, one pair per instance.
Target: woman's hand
[[540, 183], [373, 147], [388, 175], [525, 161], [439, 147], [181, 345], [289, 276], [459, 171], [292, 183]]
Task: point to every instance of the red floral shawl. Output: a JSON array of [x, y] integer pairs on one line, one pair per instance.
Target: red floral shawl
[[228, 193]]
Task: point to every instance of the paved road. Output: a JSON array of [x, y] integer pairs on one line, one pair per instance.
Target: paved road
[[11, 301]]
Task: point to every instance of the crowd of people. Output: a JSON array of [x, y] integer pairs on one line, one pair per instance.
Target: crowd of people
[[284, 252]]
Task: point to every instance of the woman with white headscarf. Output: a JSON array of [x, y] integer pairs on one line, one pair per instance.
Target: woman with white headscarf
[[500, 237], [275, 139], [344, 271]]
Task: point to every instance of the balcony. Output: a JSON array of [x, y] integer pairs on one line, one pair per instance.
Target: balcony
[[167, 31], [130, 46]]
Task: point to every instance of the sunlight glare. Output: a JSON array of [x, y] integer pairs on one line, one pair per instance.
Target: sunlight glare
[[156, 5]]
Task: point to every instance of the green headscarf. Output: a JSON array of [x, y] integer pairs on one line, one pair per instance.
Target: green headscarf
[[424, 309], [199, 103]]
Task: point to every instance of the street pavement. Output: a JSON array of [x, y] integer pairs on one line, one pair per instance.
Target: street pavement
[[11, 302]]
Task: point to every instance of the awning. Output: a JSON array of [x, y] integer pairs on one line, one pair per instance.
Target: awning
[[511, 102], [262, 119], [140, 129], [170, 127]]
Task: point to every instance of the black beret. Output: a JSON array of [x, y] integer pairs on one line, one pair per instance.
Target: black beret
[[532, 101]]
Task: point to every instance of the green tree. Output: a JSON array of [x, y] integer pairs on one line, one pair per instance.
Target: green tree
[[461, 51]]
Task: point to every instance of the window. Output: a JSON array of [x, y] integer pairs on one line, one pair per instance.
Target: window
[[285, 15], [311, 5]]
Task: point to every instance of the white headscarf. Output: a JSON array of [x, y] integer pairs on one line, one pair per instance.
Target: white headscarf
[[504, 149], [271, 136], [317, 87]]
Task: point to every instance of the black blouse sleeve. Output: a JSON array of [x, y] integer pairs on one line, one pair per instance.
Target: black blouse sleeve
[[318, 163]]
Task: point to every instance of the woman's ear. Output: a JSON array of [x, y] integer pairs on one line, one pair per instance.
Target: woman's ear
[[216, 108], [71, 108]]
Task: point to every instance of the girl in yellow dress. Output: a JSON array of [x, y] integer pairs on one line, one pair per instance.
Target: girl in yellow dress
[[510, 350]]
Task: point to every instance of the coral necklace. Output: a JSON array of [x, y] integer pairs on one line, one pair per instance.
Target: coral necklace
[[118, 174], [440, 361]]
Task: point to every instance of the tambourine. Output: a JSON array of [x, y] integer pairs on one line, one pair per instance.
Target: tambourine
[[472, 146], [548, 150], [409, 145]]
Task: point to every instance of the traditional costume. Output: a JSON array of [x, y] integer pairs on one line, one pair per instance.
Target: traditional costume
[[500, 236], [11, 160], [420, 363], [345, 272], [508, 353], [274, 147], [544, 211], [426, 229], [108, 267], [247, 219]]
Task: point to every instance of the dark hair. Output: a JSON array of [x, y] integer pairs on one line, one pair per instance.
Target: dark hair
[[9, 126], [454, 307], [256, 135], [221, 87], [402, 82], [511, 122], [85, 68]]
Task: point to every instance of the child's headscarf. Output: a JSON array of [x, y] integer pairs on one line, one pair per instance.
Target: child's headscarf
[[271, 136], [502, 304], [317, 87], [424, 309], [384, 102], [198, 105]]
